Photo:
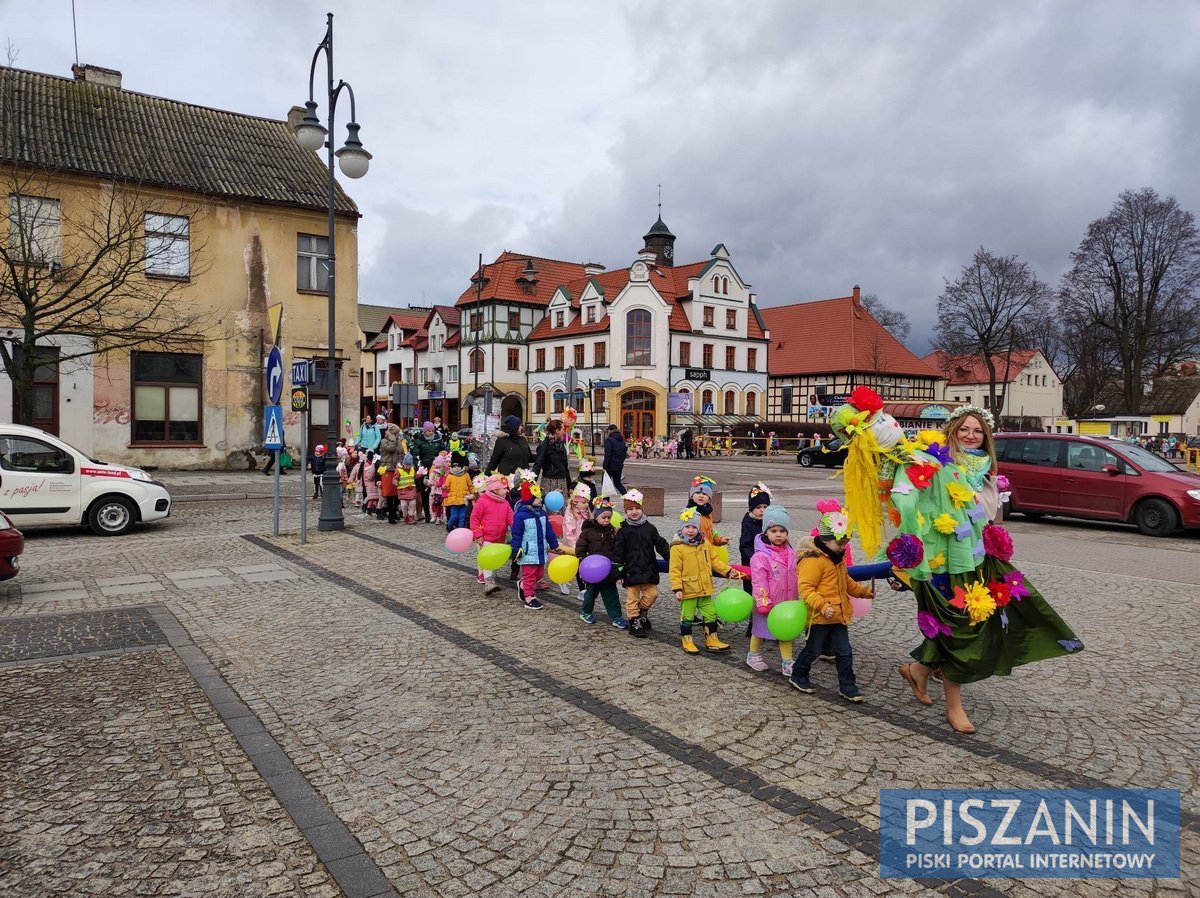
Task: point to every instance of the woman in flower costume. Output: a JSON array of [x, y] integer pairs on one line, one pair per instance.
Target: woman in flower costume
[[978, 614]]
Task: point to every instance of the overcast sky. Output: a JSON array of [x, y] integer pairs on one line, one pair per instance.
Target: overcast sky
[[826, 144]]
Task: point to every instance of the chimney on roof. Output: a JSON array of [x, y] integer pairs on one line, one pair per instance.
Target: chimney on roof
[[592, 269], [94, 74], [648, 255], [295, 117], [857, 295]]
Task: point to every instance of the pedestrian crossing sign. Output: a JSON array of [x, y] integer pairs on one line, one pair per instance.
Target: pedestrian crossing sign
[[273, 427]]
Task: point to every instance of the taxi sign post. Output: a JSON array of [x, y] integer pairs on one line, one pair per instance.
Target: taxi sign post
[[300, 404]]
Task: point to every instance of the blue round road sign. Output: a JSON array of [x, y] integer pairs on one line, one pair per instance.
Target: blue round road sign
[[274, 375]]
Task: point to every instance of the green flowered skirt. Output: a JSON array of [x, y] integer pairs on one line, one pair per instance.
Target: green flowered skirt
[[1023, 630]]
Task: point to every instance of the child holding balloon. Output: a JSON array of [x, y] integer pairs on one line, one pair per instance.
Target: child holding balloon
[[693, 563], [578, 511], [597, 539], [773, 580], [826, 587], [491, 518], [456, 491], [532, 540]]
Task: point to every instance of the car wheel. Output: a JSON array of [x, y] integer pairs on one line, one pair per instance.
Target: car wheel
[[1155, 517], [806, 461], [111, 516]]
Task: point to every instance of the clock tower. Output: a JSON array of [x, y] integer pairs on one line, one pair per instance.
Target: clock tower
[[660, 239]]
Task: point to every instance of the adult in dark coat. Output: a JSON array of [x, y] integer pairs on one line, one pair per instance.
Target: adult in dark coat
[[425, 448], [687, 448], [550, 462], [511, 450], [615, 452]]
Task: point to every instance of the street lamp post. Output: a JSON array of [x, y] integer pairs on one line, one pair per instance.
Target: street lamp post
[[353, 160]]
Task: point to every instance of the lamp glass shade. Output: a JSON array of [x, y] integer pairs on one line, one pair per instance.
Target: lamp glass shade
[[310, 135], [353, 161]]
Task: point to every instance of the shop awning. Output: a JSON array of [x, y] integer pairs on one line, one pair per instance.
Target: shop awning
[[918, 411]]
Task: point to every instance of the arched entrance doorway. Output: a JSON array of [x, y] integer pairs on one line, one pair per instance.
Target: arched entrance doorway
[[511, 405], [637, 414]]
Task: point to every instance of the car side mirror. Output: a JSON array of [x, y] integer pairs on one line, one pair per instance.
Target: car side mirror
[[1112, 470]]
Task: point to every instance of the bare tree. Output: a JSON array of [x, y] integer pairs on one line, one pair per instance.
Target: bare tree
[[893, 319], [102, 261], [1134, 279], [986, 312]]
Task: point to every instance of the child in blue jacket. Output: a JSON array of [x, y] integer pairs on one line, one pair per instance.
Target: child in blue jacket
[[532, 541]]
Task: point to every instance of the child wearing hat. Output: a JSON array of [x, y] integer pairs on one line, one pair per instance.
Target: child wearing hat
[[638, 542], [700, 499], [577, 512], [825, 585], [772, 580], [316, 466], [406, 489], [752, 525], [598, 537], [491, 518], [587, 477], [456, 491], [692, 565], [532, 540]]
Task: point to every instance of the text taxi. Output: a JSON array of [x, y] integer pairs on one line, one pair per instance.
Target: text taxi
[[46, 481]]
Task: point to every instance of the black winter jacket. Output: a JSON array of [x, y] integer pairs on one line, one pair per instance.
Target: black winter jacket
[[750, 529], [597, 540], [509, 454], [551, 460], [615, 451], [634, 552]]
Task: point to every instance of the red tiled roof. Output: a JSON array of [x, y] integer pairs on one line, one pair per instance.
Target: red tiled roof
[[832, 335], [959, 370], [408, 320], [450, 316], [453, 340], [502, 279], [543, 330]]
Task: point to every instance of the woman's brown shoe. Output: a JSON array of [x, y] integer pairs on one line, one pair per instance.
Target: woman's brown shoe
[[907, 674], [968, 729]]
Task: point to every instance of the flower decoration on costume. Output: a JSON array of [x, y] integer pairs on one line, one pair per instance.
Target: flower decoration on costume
[[1016, 585], [977, 552], [1071, 645], [944, 523], [963, 531], [938, 451], [866, 400], [960, 494], [688, 516], [922, 475], [905, 551], [814, 533], [1000, 593], [997, 542], [930, 626], [1002, 483], [937, 561], [975, 600], [702, 484], [827, 505], [976, 513], [941, 582], [981, 413], [903, 488], [921, 521]]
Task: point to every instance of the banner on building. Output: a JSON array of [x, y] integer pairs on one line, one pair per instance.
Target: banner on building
[[679, 403]]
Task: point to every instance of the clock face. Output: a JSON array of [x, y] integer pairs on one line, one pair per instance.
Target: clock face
[[668, 252]]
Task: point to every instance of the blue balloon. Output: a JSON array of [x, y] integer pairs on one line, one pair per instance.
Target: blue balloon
[[877, 571], [663, 567], [554, 501]]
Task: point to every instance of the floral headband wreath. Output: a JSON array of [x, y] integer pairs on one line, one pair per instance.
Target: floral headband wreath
[[981, 413]]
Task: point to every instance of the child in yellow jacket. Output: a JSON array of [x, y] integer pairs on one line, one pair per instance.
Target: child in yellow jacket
[[692, 565], [456, 492], [826, 587]]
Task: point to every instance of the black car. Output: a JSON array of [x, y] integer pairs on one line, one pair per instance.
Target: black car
[[831, 454]]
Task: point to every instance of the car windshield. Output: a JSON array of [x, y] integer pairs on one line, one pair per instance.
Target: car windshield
[[1147, 460]]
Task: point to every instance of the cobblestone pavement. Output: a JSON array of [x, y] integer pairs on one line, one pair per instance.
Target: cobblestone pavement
[[167, 698]]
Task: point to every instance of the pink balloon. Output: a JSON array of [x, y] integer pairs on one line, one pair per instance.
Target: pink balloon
[[459, 540], [862, 607]]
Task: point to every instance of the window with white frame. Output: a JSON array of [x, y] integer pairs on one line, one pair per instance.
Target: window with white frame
[[312, 263], [168, 246], [34, 222], [452, 374]]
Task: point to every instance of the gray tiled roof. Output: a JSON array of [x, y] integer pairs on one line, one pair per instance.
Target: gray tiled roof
[[76, 126]]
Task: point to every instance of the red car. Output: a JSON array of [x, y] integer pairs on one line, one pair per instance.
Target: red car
[[12, 544], [1102, 479]]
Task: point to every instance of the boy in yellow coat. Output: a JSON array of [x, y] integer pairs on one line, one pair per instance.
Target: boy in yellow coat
[[692, 565], [826, 587]]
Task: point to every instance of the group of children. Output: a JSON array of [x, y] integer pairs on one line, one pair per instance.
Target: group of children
[[812, 570]]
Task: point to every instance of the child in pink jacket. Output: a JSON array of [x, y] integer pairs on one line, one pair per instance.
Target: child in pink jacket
[[772, 580], [577, 511], [491, 519]]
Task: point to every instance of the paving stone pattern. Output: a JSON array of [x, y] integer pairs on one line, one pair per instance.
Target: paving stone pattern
[[466, 746], [47, 636]]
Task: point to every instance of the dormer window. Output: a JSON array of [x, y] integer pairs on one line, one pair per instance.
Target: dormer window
[[591, 314], [559, 318]]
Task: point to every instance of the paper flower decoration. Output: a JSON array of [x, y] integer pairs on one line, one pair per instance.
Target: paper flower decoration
[[905, 551], [922, 475], [1016, 585], [687, 515], [944, 523], [977, 552], [941, 582], [979, 602], [997, 542], [866, 400], [1002, 483], [938, 451], [903, 488], [963, 531], [1071, 645], [827, 505], [1000, 593], [960, 494], [930, 626], [976, 513], [921, 521], [937, 561]]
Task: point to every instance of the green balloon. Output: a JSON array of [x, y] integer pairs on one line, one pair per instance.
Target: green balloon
[[492, 556], [787, 619], [733, 604]]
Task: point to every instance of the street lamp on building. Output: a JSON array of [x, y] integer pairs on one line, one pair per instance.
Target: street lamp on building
[[354, 161]]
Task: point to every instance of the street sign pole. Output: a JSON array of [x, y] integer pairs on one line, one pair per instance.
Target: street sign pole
[[278, 463], [304, 478], [273, 442]]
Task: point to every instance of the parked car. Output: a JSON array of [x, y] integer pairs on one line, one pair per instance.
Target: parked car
[[830, 454], [1104, 480], [44, 480], [12, 544]]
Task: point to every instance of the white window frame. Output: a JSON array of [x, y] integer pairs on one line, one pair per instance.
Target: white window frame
[[38, 222], [168, 246], [312, 255]]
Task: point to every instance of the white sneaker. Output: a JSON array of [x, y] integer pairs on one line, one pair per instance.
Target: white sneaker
[[562, 587]]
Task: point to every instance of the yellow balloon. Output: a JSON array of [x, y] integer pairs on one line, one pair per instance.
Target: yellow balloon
[[617, 518], [563, 568], [721, 553]]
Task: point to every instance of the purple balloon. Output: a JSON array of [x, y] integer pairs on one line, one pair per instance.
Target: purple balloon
[[595, 568]]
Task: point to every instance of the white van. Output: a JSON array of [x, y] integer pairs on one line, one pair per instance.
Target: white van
[[46, 481]]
